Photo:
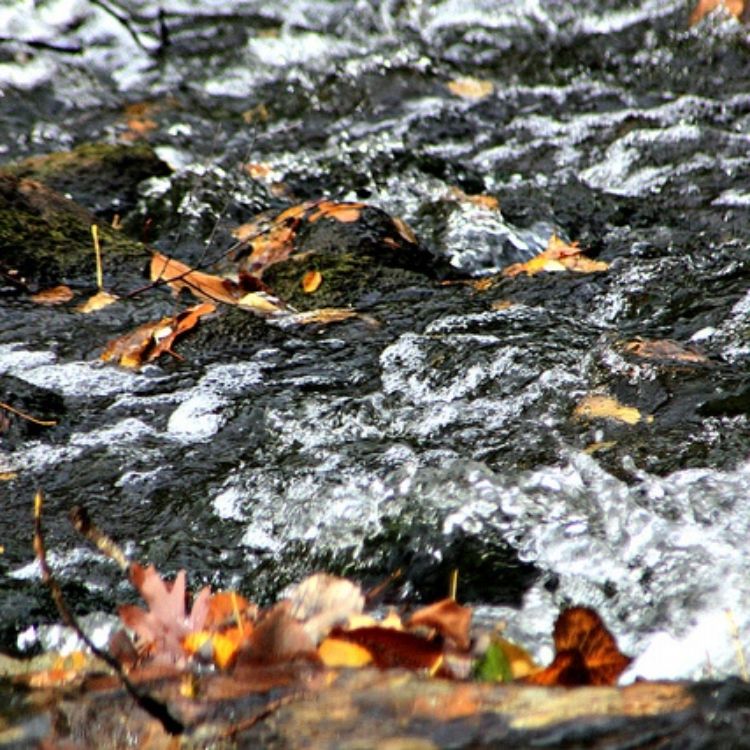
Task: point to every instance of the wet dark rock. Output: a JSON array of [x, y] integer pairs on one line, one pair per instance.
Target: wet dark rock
[[45, 238], [39, 403], [103, 178]]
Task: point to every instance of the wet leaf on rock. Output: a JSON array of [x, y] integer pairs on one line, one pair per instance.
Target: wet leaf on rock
[[586, 652], [665, 349], [150, 340], [558, 256], [468, 87], [311, 281], [57, 295], [98, 301], [600, 406]]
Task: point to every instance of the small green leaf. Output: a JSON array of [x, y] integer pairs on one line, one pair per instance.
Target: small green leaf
[[494, 665]]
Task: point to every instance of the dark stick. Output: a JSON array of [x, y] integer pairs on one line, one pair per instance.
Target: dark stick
[[152, 706]]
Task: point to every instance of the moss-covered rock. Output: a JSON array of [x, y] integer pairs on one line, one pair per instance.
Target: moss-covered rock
[[45, 238], [100, 176]]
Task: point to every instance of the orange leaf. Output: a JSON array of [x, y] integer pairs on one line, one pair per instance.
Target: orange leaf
[[344, 212], [448, 617], [558, 256], [151, 340], [57, 295], [225, 606], [180, 276], [311, 281], [336, 652], [586, 652]]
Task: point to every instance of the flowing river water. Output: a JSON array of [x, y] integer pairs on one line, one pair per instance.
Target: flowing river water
[[446, 437]]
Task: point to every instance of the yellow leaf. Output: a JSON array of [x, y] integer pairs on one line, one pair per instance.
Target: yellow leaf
[[597, 406], [97, 302], [311, 281], [259, 302], [323, 315], [334, 652], [470, 88], [558, 256], [226, 646]]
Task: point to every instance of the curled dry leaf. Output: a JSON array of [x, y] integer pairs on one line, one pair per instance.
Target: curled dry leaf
[[57, 295], [325, 315], [470, 88], [599, 406], [665, 349], [311, 282], [736, 8], [448, 617], [178, 275], [150, 340], [97, 302], [558, 256], [586, 652], [322, 601]]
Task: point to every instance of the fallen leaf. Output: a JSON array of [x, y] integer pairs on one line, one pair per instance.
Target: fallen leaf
[[322, 601], [470, 88], [664, 349], [278, 637], [598, 406], [558, 256], [261, 303], [311, 281], [150, 340], [405, 230], [57, 295], [97, 302], [178, 275], [336, 652], [164, 626], [704, 7], [488, 202], [324, 316], [586, 652], [392, 649], [494, 666], [344, 212], [451, 619]]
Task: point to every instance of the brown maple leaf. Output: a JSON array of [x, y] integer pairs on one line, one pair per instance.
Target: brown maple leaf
[[162, 628], [586, 652]]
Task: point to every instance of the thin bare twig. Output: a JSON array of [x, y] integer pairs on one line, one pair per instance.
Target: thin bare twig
[[28, 417], [153, 706]]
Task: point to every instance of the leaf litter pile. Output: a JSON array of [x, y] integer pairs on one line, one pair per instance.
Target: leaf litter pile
[[215, 646]]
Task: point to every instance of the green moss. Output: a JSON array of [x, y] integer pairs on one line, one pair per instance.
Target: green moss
[[47, 238], [346, 278]]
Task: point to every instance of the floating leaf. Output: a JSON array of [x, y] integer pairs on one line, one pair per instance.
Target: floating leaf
[[470, 88], [57, 295], [664, 349], [558, 256], [97, 302], [586, 652], [311, 281], [598, 406]]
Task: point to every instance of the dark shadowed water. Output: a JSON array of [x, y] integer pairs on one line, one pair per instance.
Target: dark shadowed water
[[445, 437]]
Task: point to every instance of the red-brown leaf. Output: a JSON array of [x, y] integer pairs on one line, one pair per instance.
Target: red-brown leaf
[[586, 652], [448, 617]]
